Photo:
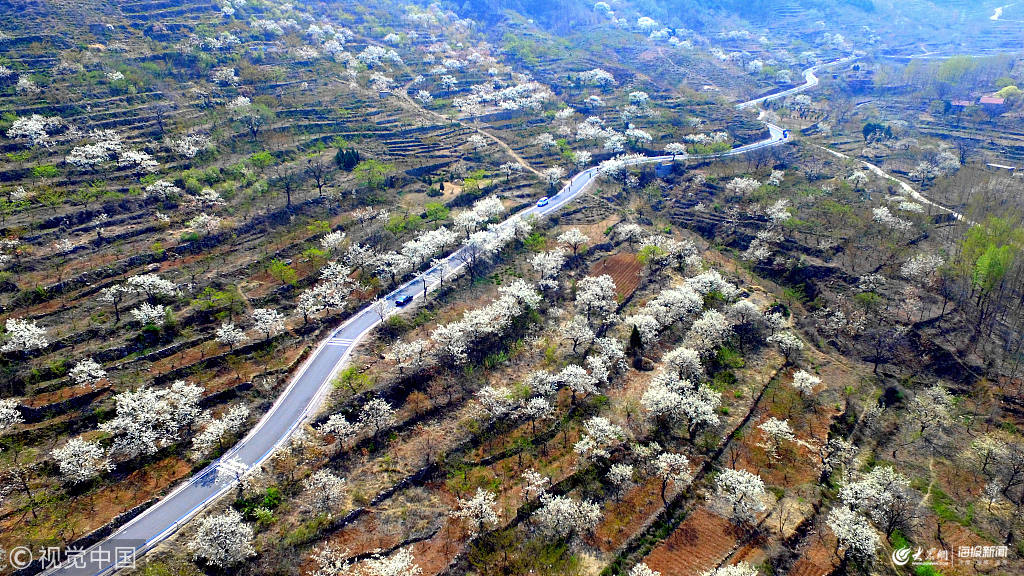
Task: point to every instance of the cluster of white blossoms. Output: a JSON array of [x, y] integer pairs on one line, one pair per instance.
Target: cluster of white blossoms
[[598, 77], [921, 267], [883, 216], [148, 419], [217, 429], [23, 336], [374, 55], [190, 145], [527, 95], [664, 310], [707, 139], [39, 130]]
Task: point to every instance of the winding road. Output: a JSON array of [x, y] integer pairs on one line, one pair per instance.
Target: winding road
[[306, 391]]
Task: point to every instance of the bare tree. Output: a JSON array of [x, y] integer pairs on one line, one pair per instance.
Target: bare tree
[[319, 171]]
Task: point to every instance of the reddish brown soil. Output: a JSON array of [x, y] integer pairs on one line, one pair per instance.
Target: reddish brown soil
[[625, 517], [699, 544], [624, 270]]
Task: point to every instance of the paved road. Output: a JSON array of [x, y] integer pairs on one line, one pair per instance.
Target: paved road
[[307, 389]]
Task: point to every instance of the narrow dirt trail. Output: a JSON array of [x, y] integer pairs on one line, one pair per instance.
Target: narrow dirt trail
[[904, 186], [501, 143]]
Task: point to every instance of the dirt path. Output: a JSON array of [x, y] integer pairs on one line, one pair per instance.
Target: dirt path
[[904, 186], [508, 149]]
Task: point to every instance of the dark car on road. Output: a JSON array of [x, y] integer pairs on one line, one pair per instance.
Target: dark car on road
[[403, 300]]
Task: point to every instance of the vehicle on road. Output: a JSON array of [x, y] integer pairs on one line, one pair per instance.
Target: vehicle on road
[[542, 202], [403, 300]]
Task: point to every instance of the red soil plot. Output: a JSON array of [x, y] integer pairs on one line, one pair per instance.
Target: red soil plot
[[699, 544], [624, 269]]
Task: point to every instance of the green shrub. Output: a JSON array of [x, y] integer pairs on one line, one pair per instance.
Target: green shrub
[[45, 171]]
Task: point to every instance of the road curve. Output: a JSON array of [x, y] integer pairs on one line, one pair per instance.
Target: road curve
[[306, 391]]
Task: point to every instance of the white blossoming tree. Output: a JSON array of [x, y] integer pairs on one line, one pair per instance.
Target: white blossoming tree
[[223, 540], [562, 517], [150, 314], [480, 512], [377, 415], [80, 460], [804, 382], [775, 433], [596, 298], [267, 322], [884, 495], [573, 239], [674, 468], [743, 493], [229, 335], [10, 416], [854, 535], [87, 372], [739, 569], [23, 336], [599, 436], [325, 492], [641, 569]]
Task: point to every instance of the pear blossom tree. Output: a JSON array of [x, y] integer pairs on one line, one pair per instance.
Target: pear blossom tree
[[883, 495], [535, 484], [536, 408], [340, 427], [510, 168], [578, 331], [581, 159], [578, 381], [10, 416], [573, 239], [497, 402], [552, 177], [267, 322], [409, 355], [738, 569], [87, 372], [222, 540], [676, 150], [23, 336], [80, 460], [325, 492], [548, 265], [743, 493], [931, 408], [561, 517], [804, 382], [152, 286], [641, 569], [669, 399], [708, 333], [620, 475], [674, 468], [790, 345], [599, 436], [854, 535], [401, 563], [150, 315], [216, 430], [774, 433], [148, 419], [833, 455], [596, 299], [480, 512], [229, 335], [377, 415]]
